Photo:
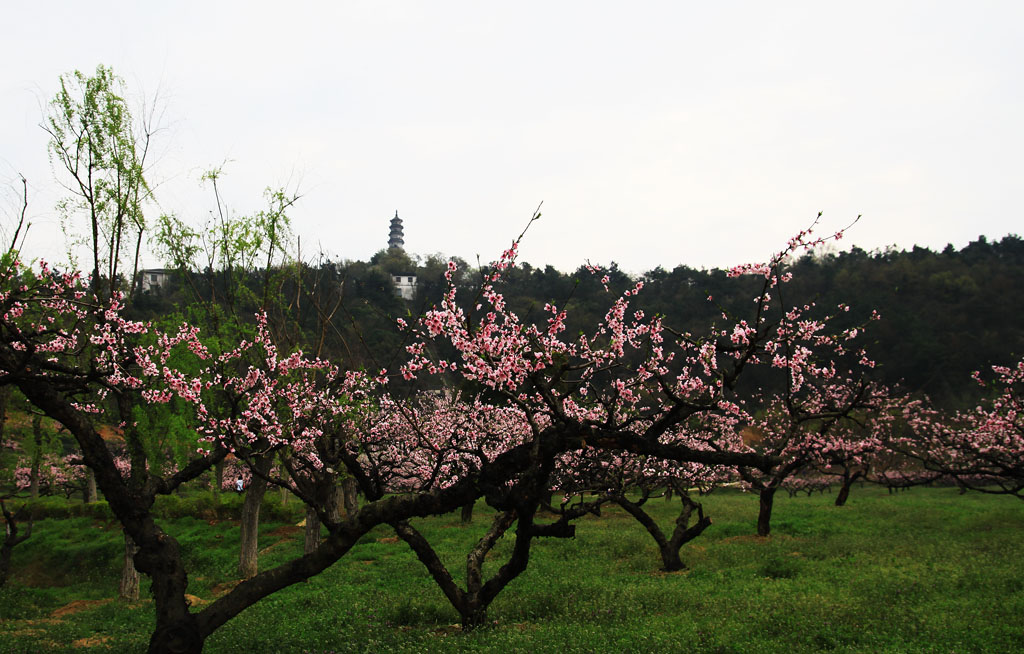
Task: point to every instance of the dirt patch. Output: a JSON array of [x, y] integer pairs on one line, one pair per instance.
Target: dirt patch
[[78, 606], [195, 601], [746, 538], [92, 641], [389, 539], [447, 630], [285, 530], [33, 628], [225, 587]]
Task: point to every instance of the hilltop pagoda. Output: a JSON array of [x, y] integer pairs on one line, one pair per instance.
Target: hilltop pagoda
[[395, 238], [404, 283]]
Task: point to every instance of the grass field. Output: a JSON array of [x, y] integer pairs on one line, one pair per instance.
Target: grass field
[[927, 570]]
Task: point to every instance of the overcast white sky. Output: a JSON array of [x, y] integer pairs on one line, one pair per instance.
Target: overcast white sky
[[655, 133]]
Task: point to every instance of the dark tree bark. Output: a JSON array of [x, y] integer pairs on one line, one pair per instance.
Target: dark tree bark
[[473, 601], [844, 490], [11, 538], [466, 514], [520, 504], [764, 514], [683, 532], [5, 401]]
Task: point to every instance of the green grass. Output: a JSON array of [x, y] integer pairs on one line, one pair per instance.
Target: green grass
[[922, 571]]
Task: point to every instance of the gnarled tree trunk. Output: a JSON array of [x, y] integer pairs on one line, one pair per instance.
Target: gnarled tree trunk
[[668, 547]]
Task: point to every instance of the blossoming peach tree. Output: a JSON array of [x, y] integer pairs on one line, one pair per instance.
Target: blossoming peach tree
[[980, 449], [532, 403]]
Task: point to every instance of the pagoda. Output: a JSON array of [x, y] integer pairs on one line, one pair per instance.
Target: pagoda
[[395, 240], [405, 283]]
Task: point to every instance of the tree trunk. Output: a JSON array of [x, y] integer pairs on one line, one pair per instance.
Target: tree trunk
[[11, 539], [336, 505], [764, 514], [5, 400], [218, 476], [5, 561], [475, 615], [312, 532], [249, 539], [283, 489], [472, 603], [90, 487], [844, 490], [467, 513], [37, 456], [129, 589], [683, 533], [350, 490]]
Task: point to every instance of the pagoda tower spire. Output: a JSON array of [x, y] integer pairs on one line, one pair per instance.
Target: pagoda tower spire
[[395, 238]]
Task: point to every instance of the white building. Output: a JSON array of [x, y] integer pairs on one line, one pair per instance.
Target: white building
[[405, 286], [154, 279]]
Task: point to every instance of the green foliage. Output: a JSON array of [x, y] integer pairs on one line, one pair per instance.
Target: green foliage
[[99, 151]]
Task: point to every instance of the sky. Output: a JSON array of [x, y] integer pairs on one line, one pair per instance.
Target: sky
[[655, 133]]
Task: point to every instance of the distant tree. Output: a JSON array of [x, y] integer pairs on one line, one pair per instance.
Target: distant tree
[[99, 151]]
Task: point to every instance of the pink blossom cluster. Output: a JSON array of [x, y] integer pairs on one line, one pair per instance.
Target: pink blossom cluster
[[986, 443]]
